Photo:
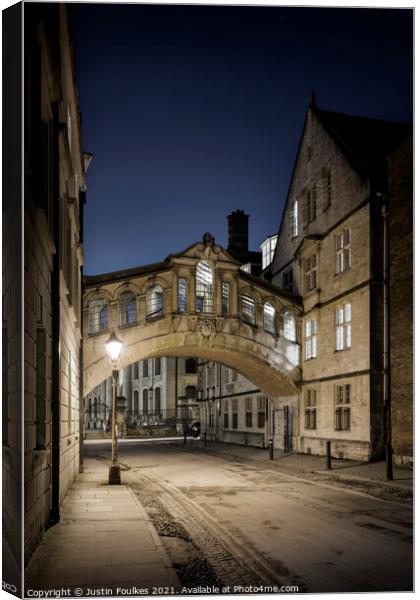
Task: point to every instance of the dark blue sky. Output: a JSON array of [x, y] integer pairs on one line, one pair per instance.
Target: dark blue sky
[[192, 112]]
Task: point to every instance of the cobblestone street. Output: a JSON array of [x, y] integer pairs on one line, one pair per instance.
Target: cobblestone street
[[227, 520]]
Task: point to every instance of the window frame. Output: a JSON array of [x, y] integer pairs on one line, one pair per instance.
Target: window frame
[[310, 272], [154, 302], [311, 338], [342, 245], [342, 407], [248, 317], [310, 409], [343, 327], [205, 287], [123, 308], [266, 326]]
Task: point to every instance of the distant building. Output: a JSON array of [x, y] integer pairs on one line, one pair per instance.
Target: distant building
[[157, 391]]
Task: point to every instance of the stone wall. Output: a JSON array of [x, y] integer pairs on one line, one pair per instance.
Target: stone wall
[[401, 300]]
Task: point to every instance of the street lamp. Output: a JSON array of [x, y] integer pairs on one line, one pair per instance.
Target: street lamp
[[113, 347]]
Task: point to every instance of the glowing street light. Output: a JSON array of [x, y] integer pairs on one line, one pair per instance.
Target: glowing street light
[[113, 347]]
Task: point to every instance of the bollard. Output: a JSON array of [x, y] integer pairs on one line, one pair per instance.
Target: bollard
[[205, 438], [328, 465], [389, 466], [271, 448]]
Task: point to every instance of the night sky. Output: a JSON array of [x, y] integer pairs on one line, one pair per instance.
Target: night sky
[[192, 112]]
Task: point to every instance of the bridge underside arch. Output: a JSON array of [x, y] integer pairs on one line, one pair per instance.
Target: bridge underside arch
[[267, 367]]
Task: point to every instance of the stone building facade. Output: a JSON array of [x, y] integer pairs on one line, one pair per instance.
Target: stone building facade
[[157, 391], [344, 248], [54, 194], [330, 252]]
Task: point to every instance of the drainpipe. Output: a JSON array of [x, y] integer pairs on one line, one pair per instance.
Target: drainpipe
[[55, 317], [387, 425], [82, 203]]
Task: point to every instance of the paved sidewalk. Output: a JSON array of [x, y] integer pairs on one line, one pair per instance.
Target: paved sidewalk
[[367, 475], [104, 540]]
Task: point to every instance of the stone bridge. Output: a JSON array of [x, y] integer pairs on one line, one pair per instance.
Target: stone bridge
[[197, 303]]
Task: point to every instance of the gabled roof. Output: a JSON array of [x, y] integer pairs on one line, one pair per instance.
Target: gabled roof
[[366, 142]]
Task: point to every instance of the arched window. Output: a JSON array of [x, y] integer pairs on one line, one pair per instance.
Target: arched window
[[158, 403], [145, 401], [136, 402], [154, 302], [204, 287], [128, 308], [248, 309], [289, 326], [98, 315], [191, 392], [269, 318], [190, 365], [136, 370]]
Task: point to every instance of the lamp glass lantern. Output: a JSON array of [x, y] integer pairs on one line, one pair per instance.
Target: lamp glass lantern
[[113, 347]]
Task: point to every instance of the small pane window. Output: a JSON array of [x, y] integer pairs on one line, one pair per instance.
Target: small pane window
[[154, 302], [98, 315], [204, 287], [182, 295], [343, 251], [269, 318], [310, 273], [311, 338], [343, 327], [225, 298], [128, 308], [248, 308], [289, 326]]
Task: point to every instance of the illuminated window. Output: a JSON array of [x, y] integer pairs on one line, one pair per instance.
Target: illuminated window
[[343, 251], [225, 298], [294, 219], [269, 318], [310, 273], [182, 295], [127, 308], [342, 407], [289, 326], [310, 409], [267, 248], [204, 287], [248, 308], [98, 315], [343, 327], [154, 302], [311, 338]]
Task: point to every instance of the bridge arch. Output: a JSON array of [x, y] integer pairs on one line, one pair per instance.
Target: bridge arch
[[267, 358]]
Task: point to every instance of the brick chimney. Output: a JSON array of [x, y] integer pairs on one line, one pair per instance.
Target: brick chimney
[[238, 235]]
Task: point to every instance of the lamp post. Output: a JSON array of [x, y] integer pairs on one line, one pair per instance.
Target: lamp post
[[113, 347]]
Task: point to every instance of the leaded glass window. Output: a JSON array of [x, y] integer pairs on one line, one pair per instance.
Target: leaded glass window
[[269, 318], [248, 308], [204, 287], [98, 315], [289, 326], [128, 308], [154, 302], [225, 297], [182, 295]]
